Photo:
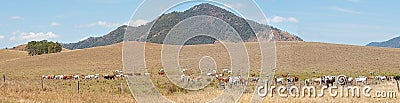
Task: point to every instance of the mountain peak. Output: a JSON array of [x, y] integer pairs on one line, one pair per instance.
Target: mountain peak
[[392, 43], [163, 24], [204, 6]]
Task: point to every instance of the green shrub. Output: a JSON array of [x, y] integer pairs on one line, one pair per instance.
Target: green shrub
[[42, 47]]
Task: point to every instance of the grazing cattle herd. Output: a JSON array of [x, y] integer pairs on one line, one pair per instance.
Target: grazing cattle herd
[[336, 80], [117, 74], [227, 78]]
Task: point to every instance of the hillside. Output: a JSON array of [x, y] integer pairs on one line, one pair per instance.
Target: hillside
[[392, 43], [292, 57], [246, 29], [8, 55], [22, 48], [19, 47], [304, 59]]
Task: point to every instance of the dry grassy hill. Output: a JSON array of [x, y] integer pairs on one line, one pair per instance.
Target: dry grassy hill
[[8, 55], [307, 58], [19, 47], [304, 59], [22, 48]]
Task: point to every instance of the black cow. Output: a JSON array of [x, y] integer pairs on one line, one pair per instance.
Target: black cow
[[397, 78]]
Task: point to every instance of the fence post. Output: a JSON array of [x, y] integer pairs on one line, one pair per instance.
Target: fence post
[[300, 84], [122, 89], [41, 82], [78, 86]]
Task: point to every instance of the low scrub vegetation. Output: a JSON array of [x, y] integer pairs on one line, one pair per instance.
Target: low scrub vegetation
[[42, 47]]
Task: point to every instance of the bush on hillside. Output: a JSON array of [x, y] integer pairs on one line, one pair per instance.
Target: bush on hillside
[[42, 47]]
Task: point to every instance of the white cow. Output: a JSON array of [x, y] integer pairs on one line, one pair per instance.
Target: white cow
[[236, 80], [307, 82], [119, 76], [96, 76], [87, 77], [349, 80], [361, 79], [58, 76], [317, 80], [76, 76], [214, 72], [116, 72], [279, 80], [182, 78], [183, 70], [188, 79], [380, 77], [231, 81], [48, 76]]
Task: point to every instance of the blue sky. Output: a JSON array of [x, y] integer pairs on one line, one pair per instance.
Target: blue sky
[[354, 22]]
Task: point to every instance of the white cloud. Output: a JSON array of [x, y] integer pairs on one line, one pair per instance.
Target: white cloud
[[1, 37], [32, 35], [292, 19], [346, 10], [279, 19], [235, 6], [138, 22], [16, 18], [54, 24], [84, 38], [37, 36], [105, 24], [100, 24]]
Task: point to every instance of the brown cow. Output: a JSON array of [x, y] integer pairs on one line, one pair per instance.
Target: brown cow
[[129, 74], [226, 80], [296, 79], [388, 78], [253, 74], [285, 75], [220, 79], [109, 76], [67, 77], [161, 72], [137, 74]]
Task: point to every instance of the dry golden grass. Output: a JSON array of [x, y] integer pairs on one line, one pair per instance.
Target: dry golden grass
[[23, 77], [385, 86], [9, 55], [302, 59], [315, 59]]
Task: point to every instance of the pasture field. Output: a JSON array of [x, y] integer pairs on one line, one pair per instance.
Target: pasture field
[[302, 59], [9, 55]]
